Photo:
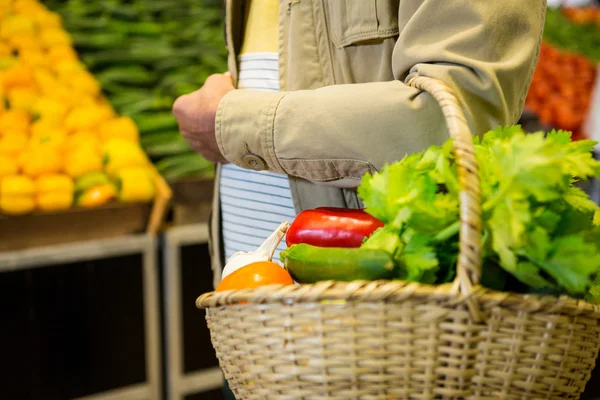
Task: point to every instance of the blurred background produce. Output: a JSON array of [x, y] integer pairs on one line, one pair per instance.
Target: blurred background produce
[[145, 54], [56, 127], [565, 76]]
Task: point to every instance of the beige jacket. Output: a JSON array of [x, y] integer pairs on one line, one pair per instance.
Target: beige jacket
[[344, 108]]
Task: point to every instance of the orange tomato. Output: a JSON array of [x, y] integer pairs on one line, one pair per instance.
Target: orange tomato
[[256, 274]]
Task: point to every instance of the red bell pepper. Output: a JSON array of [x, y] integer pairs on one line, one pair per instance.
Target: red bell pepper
[[332, 227]]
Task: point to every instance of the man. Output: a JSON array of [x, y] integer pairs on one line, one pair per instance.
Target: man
[[322, 99], [331, 102]]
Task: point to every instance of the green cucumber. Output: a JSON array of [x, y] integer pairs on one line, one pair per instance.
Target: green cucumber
[[184, 171], [141, 28], [175, 162], [125, 98], [183, 165], [99, 40], [130, 74], [157, 103], [310, 264], [155, 121], [164, 144]]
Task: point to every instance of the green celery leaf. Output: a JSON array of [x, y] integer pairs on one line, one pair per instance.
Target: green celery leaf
[[529, 274], [384, 239], [386, 192], [418, 262], [593, 295], [447, 254], [573, 222], [508, 224], [580, 200], [559, 136], [572, 263], [546, 218]]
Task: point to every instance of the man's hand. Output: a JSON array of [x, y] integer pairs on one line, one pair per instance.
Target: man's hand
[[196, 112]]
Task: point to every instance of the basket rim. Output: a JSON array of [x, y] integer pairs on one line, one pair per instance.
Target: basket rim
[[397, 292]]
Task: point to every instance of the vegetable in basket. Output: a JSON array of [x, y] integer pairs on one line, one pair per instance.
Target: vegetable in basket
[[332, 227], [538, 230], [256, 268], [541, 233], [308, 264], [256, 274]]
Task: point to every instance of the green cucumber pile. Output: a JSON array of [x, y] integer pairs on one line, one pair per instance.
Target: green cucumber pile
[[145, 54], [579, 38]]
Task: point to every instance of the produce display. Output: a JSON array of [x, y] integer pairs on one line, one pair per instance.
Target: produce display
[[61, 142], [583, 15], [574, 30], [145, 54], [564, 79], [541, 233], [561, 89]]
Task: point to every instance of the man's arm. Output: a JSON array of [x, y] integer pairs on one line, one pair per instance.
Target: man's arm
[[485, 50]]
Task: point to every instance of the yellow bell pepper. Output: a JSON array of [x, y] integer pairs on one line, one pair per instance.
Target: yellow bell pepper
[[4, 11], [6, 63], [54, 192], [33, 58], [81, 139], [12, 144], [55, 37], [122, 127], [97, 196], [40, 161], [22, 42], [22, 98], [17, 195], [27, 7], [120, 153], [89, 180], [8, 166], [5, 50], [136, 184], [84, 118], [50, 109], [18, 75], [45, 81], [66, 68], [83, 82], [14, 121], [48, 20], [49, 137], [16, 25], [81, 161], [61, 52]]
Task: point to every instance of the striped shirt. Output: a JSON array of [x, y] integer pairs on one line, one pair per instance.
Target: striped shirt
[[254, 203]]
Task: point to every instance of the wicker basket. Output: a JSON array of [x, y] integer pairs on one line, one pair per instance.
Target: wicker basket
[[398, 340]]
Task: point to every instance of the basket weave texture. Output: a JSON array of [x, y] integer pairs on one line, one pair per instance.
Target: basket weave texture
[[399, 340]]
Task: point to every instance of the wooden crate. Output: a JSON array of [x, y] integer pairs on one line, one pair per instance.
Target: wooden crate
[[192, 200], [82, 224]]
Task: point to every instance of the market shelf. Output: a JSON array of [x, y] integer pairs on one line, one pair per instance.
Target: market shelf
[[191, 367], [81, 321]]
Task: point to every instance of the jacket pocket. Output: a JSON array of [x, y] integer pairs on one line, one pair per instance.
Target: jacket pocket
[[351, 22]]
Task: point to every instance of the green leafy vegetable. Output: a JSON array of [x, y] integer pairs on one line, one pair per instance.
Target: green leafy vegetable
[[540, 231]]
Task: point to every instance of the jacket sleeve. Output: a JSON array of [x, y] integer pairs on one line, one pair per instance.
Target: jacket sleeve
[[485, 50]]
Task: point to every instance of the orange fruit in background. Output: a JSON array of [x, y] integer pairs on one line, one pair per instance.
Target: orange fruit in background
[[254, 275]]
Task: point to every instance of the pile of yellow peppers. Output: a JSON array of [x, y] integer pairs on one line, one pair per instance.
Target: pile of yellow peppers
[[61, 143]]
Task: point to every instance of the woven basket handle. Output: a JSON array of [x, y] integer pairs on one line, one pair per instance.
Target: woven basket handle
[[468, 269]]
